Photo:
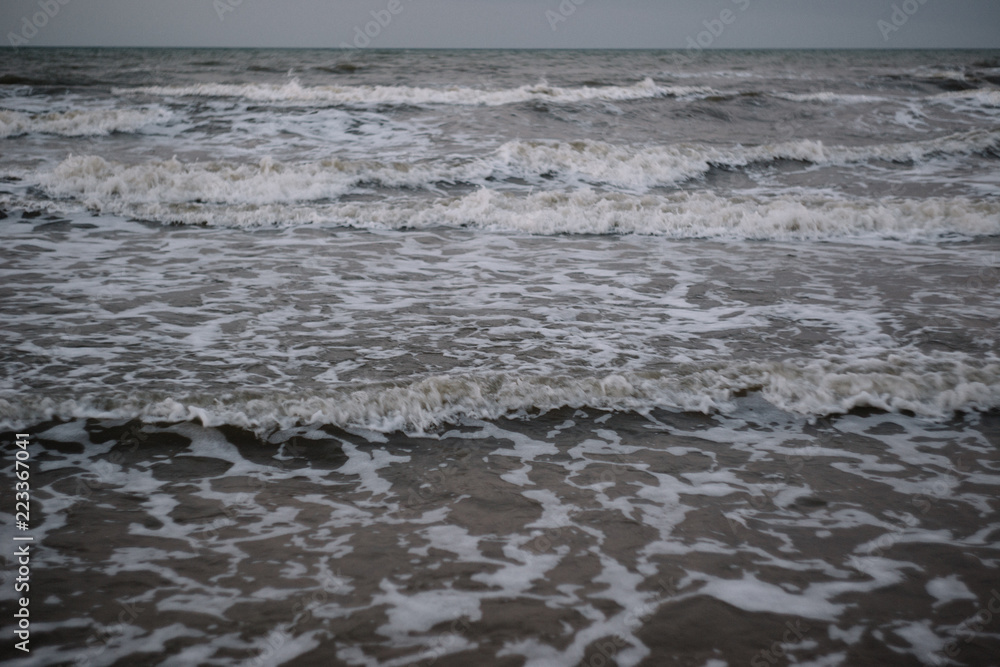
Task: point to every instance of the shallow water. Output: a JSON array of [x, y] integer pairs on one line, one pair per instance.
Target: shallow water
[[577, 537]]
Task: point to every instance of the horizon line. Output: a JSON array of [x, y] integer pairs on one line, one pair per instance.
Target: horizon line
[[349, 49]]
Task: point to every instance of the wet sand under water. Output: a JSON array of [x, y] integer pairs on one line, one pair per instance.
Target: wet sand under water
[[570, 538]]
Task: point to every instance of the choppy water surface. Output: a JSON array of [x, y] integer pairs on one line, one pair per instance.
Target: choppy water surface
[[546, 358]]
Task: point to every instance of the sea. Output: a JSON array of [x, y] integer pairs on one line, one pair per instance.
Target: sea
[[541, 358]]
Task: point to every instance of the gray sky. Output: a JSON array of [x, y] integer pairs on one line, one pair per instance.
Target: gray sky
[[505, 23]]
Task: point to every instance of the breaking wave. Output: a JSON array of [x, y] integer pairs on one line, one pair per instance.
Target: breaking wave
[[295, 92], [931, 386], [274, 193], [827, 97], [625, 167], [984, 97], [106, 185], [637, 168], [79, 123], [680, 216]]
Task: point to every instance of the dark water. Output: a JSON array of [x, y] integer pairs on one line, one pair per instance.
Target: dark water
[[543, 358]]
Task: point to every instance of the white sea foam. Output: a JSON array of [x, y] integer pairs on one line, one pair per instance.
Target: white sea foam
[[707, 215], [82, 123], [948, 589], [638, 168], [100, 183], [830, 98], [97, 181], [682, 215], [272, 192], [932, 386], [295, 92], [960, 143], [985, 97]]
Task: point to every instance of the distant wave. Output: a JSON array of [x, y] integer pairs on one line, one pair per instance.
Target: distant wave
[[53, 78], [985, 97], [829, 97], [295, 92], [933, 386], [638, 168], [79, 123]]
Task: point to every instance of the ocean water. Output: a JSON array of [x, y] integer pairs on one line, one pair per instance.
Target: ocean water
[[503, 357]]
